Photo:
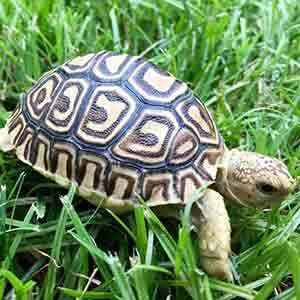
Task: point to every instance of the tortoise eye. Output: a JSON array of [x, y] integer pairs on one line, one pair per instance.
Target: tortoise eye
[[266, 188]]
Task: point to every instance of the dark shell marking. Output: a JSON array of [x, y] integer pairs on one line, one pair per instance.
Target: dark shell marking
[[118, 126]]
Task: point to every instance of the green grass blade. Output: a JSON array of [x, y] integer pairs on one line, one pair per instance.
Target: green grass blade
[[141, 282], [150, 248], [85, 239], [50, 289], [22, 290], [115, 29], [150, 268], [207, 289], [120, 278], [86, 295], [232, 289], [294, 266], [3, 238], [279, 272], [141, 232], [17, 240], [165, 239], [118, 219]]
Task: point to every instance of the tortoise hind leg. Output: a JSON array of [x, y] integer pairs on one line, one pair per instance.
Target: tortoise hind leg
[[210, 217], [5, 142]]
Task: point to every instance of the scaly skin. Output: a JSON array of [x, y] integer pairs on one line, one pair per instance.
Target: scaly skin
[[214, 234], [244, 178], [253, 180]]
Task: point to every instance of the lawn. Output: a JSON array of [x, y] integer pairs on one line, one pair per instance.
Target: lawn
[[242, 58]]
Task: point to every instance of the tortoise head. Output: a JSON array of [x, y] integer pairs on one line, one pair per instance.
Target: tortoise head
[[253, 179]]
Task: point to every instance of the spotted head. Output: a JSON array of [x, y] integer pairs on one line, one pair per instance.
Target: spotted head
[[252, 179]]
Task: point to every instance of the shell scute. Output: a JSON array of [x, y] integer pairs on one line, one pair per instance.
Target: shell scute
[[24, 143], [207, 160], [63, 157], [188, 181], [79, 63], [156, 86], [195, 115], [158, 188], [90, 170], [40, 156], [123, 182], [184, 147], [111, 66], [108, 110], [64, 109], [16, 126], [41, 96], [149, 139]]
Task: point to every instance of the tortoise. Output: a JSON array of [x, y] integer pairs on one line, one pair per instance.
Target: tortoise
[[119, 127]]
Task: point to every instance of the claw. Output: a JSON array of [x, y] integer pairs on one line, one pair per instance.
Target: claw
[[217, 267]]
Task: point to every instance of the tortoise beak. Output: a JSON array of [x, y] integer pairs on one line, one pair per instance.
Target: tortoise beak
[[286, 189], [294, 184], [289, 187]]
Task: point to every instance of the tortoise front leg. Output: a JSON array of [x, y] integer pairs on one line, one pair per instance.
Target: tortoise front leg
[[210, 216]]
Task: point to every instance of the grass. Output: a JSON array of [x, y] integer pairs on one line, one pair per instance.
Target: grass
[[242, 58]]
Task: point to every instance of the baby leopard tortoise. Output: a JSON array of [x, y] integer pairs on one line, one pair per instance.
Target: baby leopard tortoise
[[120, 127]]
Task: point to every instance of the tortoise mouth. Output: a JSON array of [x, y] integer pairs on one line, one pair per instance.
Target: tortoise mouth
[[260, 199]]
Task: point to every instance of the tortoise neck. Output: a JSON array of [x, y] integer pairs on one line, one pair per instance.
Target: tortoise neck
[[223, 178]]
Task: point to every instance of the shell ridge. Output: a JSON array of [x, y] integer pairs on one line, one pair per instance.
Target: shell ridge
[[38, 84]]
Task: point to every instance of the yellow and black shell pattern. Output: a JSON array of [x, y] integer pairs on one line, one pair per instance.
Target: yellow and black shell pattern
[[120, 128]]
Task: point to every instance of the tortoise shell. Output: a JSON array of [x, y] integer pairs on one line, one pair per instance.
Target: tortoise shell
[[119, 127]]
